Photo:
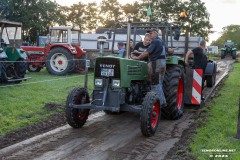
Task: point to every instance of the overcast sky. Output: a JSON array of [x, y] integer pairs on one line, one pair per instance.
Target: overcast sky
[[222, 12]]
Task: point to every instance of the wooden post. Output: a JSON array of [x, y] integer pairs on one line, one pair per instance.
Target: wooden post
[[238, 126]]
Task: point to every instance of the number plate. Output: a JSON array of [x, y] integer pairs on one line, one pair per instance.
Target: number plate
[[107, 72]]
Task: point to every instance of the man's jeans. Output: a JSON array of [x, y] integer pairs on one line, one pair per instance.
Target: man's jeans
[[156, 72]]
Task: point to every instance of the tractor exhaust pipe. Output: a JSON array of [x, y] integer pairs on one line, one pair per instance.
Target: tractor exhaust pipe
[[128, 38]]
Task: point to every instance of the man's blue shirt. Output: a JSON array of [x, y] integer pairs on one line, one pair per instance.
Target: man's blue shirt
[[121, 52], [155, 49]]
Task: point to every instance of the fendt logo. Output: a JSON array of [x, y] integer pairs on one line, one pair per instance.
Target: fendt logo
[[107, 65]]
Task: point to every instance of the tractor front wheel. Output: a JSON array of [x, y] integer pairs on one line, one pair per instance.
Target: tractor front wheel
[[173, 87], [60, 61], [77, 117], [33, 68], [150, 115], [3, 77]]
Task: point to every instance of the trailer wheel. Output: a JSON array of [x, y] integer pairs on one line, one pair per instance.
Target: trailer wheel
[[77, 117], [60, 61], [173, 87], [33, 68], [150, 115], [211, 80]]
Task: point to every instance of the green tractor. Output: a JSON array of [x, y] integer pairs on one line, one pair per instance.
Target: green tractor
[[229, 50], [121, 84], [12, 58]]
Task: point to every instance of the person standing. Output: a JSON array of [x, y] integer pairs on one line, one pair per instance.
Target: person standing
[[157, 64], [121, 50], [200, 59]]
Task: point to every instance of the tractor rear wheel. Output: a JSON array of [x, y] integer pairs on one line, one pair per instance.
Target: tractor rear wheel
[[222, 54], [77, 117], [173, 87], [234, 55], [60, 61], [151, 113], [33, 68], [20, 67]]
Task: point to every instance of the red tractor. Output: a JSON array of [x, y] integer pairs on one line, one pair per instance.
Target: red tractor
[[61, 54]]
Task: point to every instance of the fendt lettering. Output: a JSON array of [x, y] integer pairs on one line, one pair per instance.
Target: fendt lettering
[[107, 65]]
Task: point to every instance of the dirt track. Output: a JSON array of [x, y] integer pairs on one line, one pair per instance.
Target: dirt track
[[108, 137]]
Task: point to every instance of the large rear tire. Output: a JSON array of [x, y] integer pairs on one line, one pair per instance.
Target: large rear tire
[[173, 87], [222, 54], [150, 115], [60, 61], [20, 67], [234, 55], [77, 117]]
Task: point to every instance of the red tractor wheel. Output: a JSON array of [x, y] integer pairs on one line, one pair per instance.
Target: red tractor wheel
[[60, 61], [33, 68], [77, 117], [150, 115]]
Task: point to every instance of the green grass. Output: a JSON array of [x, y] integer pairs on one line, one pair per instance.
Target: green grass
[[23, 104], [221, 122]]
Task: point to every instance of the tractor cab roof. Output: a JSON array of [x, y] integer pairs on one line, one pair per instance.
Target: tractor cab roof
[[6, 23]]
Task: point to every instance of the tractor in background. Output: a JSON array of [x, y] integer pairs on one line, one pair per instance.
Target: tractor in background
[[61, 54], [12, 58], [228, 50]]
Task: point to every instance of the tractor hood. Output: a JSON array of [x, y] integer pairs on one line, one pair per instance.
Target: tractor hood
[[125, 70]]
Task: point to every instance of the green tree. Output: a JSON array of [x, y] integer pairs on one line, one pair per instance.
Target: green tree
[[230, 32], [35, 15], [76, 15], [91, 16], [111, 12], [133, 10], [197, 21]]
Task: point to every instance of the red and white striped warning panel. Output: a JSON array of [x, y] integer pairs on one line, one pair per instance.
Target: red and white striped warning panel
[[197, 86]]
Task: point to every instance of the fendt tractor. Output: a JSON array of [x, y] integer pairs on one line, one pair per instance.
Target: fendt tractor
[[121, 84], [229, 50], [61, 54], [12, 57]]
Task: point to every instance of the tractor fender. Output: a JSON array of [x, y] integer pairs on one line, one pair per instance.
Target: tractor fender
[[234, 49], [223, 49], [3, 54], [211, 68], [66, 46]]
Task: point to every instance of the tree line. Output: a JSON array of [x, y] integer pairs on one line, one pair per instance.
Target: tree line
[[36, 15], [230, 32]]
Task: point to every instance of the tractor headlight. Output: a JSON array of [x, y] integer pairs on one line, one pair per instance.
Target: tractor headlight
[[98, 82], [116, 83]]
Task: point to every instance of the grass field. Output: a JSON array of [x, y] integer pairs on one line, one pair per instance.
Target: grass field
[[24, 104], [220, 124]]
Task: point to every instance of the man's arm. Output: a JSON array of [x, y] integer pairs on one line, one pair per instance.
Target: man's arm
[[141, 56], [187, 56]]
